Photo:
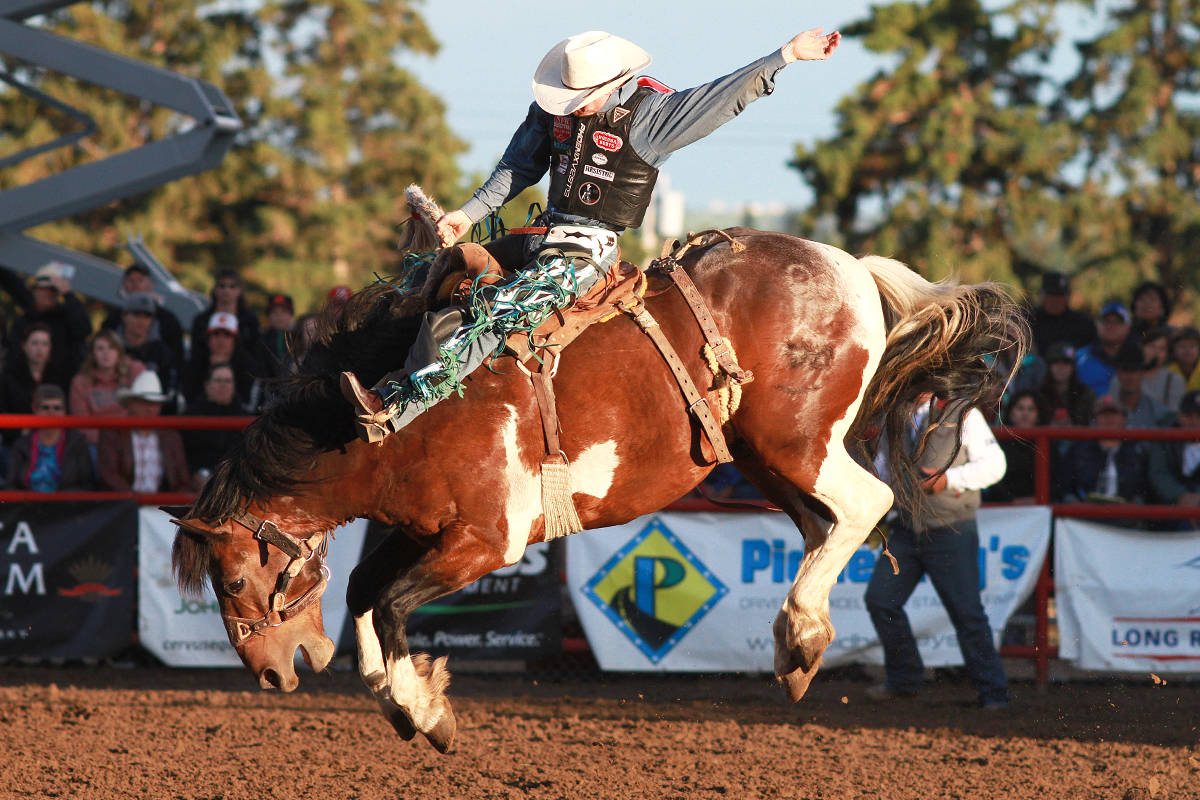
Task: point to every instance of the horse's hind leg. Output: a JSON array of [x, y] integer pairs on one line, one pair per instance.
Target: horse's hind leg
[[397, 578]]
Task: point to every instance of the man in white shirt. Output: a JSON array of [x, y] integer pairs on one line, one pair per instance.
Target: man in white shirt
[[941, 540]]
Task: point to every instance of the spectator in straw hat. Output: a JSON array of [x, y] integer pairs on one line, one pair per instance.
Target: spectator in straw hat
[[50, 459], [147, 459]]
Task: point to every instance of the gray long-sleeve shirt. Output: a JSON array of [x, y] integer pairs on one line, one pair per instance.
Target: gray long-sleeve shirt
[[662, 124]]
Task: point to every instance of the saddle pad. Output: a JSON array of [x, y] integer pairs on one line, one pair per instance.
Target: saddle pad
[[624, 281]]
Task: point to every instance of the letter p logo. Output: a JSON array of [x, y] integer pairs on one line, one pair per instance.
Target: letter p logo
[[647, 579]]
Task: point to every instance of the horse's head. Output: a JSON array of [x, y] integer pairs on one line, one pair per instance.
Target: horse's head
[[268, 580]]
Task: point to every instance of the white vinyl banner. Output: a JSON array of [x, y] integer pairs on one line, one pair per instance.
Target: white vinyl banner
[[1127, 601], [697, 592], [188, 632]]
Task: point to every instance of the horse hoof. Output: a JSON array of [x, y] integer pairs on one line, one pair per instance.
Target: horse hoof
[[441, 735], [402, 725], [796, 683]]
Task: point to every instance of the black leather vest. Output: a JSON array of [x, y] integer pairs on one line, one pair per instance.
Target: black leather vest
[[593, 169]]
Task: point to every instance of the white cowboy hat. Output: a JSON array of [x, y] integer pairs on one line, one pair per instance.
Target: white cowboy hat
[[583, 67], [145, 387]]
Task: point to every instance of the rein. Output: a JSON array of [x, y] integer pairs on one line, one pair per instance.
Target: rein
[[300, 551]]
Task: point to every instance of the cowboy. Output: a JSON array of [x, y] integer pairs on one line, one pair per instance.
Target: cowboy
[[603, 135]]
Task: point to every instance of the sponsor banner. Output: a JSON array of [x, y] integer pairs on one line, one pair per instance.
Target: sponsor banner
[[1127, 601], [512, 613], [68, 571], [188, 632], [699, 591]]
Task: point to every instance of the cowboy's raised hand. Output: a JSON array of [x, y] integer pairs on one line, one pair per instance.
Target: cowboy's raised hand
[[812, 45]]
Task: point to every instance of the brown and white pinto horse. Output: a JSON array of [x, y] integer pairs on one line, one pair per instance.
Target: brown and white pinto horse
[[836, 344]]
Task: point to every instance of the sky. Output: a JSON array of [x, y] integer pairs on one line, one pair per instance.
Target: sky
[[490, 50]]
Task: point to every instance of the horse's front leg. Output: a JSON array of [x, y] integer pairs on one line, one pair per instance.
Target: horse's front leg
[[400, 576], [857, 500]]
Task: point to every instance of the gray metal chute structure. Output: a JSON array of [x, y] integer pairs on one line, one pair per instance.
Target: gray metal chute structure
[[195, 148]]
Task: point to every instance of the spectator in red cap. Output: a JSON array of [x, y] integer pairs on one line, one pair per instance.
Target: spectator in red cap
[[227, 297]]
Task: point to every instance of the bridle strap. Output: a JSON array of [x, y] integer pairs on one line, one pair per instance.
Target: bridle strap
[[242, 628], [299, 551]]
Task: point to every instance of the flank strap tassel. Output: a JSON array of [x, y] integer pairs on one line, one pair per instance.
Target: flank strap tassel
[[559, 509]]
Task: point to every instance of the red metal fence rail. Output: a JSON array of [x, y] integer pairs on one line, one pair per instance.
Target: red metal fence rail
[[1040, 651]]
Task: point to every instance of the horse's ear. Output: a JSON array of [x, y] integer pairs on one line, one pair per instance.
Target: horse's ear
[[179, 516], [179, 512]]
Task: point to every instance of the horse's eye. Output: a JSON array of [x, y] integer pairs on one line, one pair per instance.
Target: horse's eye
[[236, 586]]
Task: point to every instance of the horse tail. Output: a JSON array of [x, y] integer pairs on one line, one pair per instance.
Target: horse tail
[[945, 338]]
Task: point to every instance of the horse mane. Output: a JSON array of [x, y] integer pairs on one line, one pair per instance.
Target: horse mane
[[306, 415]]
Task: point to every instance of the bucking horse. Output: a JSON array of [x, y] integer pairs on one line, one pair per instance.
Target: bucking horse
[[840, 348]]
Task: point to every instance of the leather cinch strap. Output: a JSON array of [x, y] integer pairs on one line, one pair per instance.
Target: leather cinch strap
[[669, 264], [697, 403]]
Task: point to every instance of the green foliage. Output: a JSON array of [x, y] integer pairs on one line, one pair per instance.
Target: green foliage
[[974, 153], [311, 194]]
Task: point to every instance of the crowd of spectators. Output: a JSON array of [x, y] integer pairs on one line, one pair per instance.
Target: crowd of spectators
[[1125, 368], [137, 363]]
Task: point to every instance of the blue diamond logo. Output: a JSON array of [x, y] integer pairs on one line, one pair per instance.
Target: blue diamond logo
[[654, 590]]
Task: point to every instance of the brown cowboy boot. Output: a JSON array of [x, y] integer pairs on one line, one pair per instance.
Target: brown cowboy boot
[[372, 414]]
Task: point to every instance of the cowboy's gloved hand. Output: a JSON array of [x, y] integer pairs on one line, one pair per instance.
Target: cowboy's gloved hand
[[813, 45], [452, 226]]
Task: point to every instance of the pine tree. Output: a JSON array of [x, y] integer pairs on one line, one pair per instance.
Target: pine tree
[[335, 129], [1138, 81]]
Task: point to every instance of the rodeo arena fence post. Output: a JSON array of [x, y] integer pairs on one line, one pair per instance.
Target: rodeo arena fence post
[[655, 540]]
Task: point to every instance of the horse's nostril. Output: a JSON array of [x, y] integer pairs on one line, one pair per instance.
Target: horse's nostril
[[269, 679]]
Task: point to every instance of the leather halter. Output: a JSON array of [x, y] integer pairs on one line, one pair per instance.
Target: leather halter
[[300, 551]]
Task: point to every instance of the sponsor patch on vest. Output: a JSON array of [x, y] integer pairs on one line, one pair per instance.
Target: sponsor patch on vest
[[607, 141], [563, 161], [599, 158], [596, 172], [619, 114], [589, 193], [562, 128]]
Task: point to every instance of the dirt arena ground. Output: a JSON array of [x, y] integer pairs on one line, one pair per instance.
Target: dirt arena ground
[[146, 732]]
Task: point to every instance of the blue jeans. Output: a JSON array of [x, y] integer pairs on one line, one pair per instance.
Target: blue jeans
[[950, 557]]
